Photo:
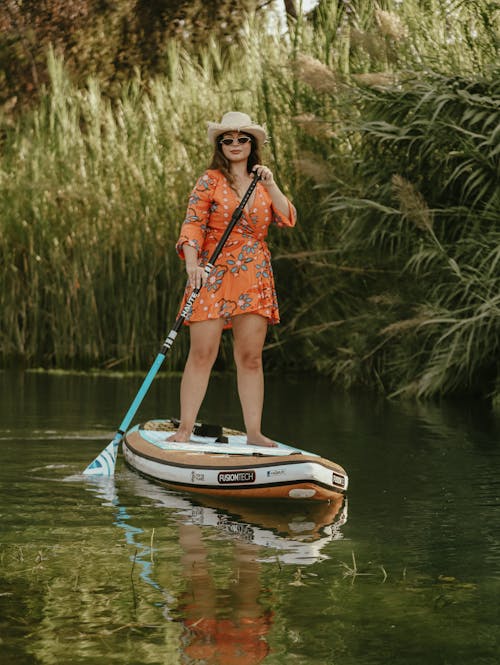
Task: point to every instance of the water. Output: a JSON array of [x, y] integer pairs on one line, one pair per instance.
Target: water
[[406, 571]]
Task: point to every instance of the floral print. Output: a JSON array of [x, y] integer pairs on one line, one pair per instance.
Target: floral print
[[235, 265], [262, 269], [214, 280], [242, 279], [244, 301]]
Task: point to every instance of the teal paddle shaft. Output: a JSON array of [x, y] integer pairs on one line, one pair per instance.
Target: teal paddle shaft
[[104, 463]]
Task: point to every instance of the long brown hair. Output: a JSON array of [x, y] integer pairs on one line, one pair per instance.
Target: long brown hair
[[220, 163]]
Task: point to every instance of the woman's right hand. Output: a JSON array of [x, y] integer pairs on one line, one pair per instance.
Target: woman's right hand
[[196, 274]]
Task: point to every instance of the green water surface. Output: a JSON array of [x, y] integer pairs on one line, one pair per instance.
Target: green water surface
[[405, 571]]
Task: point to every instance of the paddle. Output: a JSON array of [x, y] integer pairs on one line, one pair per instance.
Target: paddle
[[104, 463]]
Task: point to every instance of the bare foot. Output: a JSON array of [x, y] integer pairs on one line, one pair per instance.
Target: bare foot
[[181, 436], [261, 440]]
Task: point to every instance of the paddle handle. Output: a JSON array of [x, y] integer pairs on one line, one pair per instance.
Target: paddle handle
[[235, 217], [186, 310]]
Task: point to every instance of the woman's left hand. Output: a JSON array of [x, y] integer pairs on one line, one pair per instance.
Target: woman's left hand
[[266, 175]]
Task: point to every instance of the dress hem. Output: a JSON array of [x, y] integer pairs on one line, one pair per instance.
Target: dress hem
[[271, 321]]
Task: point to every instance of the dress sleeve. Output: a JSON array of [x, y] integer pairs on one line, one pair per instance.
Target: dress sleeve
[[194, 227], [280, 219]]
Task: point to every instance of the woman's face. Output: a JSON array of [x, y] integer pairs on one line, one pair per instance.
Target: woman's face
[[235, 152]]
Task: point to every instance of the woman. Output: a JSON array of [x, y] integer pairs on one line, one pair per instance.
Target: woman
[[239, 293]]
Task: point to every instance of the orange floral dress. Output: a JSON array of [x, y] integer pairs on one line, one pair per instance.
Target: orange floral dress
[[242, 280], [227, 642]]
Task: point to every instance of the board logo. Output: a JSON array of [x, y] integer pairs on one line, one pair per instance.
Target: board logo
[[275, 472], [235, 477], [338, 480]]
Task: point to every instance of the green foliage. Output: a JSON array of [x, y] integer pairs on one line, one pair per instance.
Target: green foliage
[[384, 135], [94, 194], [428, 206], [106, 40]]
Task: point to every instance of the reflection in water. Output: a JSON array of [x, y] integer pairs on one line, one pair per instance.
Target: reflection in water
[[100, 580], [106, 489], [224, 623], [295, 533]]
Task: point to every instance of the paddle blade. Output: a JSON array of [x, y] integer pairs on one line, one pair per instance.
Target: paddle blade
[[104, 463]]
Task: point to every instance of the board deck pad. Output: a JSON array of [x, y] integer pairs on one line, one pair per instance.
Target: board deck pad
[[157, 433]]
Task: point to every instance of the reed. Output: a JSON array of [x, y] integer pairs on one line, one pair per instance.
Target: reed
[[438, 226], [95, 190], [94, 193], [376, 110]]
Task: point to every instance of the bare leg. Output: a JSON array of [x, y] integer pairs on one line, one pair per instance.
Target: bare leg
[[246, 570], [204, 346], [201, 593], [249, 332]]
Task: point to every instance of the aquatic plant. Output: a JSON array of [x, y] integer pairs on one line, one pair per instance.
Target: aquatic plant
[[391, 284], [437, 225]]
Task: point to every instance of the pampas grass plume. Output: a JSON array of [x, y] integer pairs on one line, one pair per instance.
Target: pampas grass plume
[[312, 166], [411, 203], [389, 24], [375, 79], [315, 74], [313, 126]]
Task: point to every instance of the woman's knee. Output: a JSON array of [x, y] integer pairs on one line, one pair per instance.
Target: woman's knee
[[204, 343], [203, 356], [249, 331], [248, 359]]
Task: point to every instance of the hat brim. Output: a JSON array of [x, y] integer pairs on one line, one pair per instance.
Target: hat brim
[[215, 129]]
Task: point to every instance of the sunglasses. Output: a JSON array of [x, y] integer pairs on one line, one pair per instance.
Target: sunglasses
[[241, 140]]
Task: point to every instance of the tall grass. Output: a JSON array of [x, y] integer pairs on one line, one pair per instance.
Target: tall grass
[[88, 197], [94, 190], [431, 211], [413, 210]]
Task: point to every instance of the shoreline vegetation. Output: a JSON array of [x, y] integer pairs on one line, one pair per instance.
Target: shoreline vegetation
[[385, 132]]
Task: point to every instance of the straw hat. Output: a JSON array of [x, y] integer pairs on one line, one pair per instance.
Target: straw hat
[[236, 122]]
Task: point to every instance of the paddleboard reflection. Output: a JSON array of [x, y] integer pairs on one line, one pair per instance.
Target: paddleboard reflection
[[297, 533], [222, 620]]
